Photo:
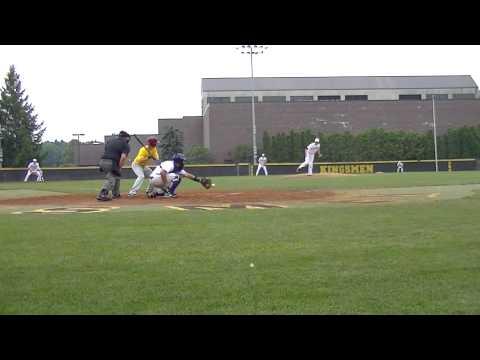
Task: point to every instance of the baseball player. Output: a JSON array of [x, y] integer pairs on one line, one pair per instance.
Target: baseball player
[[399, 166], [167, 176], [310, 152], [262, 161], [139, 165], [112, 161], [34, 168]]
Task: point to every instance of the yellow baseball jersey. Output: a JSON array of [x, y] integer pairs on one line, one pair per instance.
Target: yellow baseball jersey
[[144, 154]]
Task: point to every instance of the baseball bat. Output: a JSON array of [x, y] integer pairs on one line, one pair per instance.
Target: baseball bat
[[140, 141]]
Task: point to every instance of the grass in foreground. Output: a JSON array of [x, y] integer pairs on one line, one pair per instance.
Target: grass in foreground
[[381, 259]]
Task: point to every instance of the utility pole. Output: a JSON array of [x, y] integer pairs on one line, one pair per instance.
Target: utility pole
[[435, 133], [253, 50], [78, 139]]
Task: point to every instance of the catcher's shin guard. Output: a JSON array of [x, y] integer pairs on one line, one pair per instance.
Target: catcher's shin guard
[[175, 182]]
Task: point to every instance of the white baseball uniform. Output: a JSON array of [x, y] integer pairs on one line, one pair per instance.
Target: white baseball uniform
[[399, 166], [34, 168], [262, 161], [156, 182], [310, 156]]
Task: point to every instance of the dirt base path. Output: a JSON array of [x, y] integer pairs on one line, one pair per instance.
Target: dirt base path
[[184, 198]]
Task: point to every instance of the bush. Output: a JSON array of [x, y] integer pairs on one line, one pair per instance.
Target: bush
[[198, 155], [242, 153]]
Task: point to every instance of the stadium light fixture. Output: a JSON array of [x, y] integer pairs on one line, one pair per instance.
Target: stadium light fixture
[[435, 132], [78, 140], [253, 50]]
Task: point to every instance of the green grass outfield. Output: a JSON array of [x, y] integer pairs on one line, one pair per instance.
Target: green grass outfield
[[419, 257]]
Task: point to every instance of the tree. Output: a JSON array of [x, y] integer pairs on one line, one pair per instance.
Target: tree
[[57, 153], [198, 155], [22, 132], [242, 153], [267, 147], [52, 153], [171, 142]]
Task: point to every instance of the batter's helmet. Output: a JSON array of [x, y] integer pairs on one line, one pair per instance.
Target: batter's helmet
[[317, 140], [152, 141], [34, 160]]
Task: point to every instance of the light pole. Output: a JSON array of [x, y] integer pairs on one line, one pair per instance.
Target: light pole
[[78, 139], [435, 133], [253, 50]]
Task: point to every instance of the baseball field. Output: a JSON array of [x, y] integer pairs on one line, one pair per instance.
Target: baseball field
[[287, 244]]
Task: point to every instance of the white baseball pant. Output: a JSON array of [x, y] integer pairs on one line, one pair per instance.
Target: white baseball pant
[[141, 172], [39, 174], [308, 161], [262, 167]]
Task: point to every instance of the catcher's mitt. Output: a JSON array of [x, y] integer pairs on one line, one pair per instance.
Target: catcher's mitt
[[206, 183]]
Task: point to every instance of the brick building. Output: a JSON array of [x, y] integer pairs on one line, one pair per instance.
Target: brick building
[[326, 105]]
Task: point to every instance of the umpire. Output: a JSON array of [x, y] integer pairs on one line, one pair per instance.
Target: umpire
[[116, 151]]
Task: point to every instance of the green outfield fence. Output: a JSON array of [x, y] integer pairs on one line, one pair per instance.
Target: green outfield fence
[[246, 169]]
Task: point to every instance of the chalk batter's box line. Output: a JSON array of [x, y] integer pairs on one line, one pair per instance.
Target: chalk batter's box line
[[225, 207]]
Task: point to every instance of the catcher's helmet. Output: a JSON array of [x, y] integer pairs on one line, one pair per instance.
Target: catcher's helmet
[[179, 157], [152, 141]]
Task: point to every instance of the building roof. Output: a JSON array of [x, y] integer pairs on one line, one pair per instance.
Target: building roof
[[339, 83]]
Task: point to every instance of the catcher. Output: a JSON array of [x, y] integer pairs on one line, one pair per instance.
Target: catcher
[[168, 175]]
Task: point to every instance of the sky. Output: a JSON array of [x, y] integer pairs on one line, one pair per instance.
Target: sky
[[102, 89]]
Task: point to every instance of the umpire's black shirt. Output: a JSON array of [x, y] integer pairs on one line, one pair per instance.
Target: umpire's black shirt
[[115, 148]]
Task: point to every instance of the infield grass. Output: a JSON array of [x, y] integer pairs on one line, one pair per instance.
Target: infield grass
[[411, 258]]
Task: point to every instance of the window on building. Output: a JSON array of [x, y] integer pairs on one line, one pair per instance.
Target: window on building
[[328, 97], [464, 96], [301, 98], [245, 99], [437, 96], [356, 97], [410, 97], [223, 99], [270, 99]]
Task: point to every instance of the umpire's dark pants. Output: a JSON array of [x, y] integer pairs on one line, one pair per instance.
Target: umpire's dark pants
[[112, 182]]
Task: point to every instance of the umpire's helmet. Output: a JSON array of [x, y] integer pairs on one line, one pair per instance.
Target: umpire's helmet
[[125, 135]]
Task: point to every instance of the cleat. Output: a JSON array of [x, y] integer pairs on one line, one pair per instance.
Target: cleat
[[118, 196], [103, 198], [132, 194], [151, 195]]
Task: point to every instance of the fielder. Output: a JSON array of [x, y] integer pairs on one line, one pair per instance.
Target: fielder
[[139, 165], [34, 168], [262, 161], [168, 175], [310, 152], [399, 166]]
